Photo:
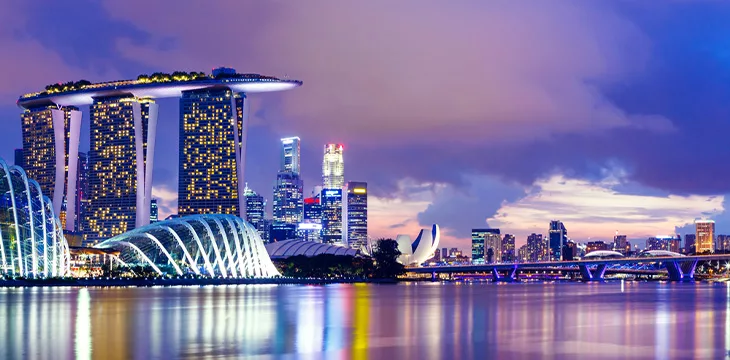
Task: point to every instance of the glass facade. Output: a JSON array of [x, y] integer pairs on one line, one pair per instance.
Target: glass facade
[[290, 155], [32, 244], [486, 243], [558, 237], [208, 180], [332, 216], [356, 214], [288, 205], [82, 192], [333, 167], [705, 236], [154, 211], [113, 166], [255, 210], [508, 248]]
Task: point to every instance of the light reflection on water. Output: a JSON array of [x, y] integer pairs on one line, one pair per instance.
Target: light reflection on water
[[407, 321]]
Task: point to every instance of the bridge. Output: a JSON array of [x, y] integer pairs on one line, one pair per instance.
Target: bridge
[[681, 268]]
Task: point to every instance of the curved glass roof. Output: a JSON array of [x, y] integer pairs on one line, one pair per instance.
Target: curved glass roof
[[287, 248], [215, 245], [603, 253], [663, 253], [32, 244]]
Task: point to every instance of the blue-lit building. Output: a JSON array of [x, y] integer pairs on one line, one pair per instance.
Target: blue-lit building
[[332, 216], [355, 217], [290, 154], [557, 239], [310, 228], [154, 212], [288, 205], [255, 210], [486, 246]]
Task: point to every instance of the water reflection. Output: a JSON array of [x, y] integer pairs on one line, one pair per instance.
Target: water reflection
[[421, 321]]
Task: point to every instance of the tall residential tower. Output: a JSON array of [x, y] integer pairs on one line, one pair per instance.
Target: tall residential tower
[[355, 214]]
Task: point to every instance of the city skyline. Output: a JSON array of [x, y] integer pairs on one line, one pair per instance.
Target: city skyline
[[523, 177]]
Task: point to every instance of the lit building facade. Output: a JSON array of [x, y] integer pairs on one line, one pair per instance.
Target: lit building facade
[[121, 159], [689, 243], [621, 244], [255, 210], [356, 214], [558, 237], [332, 216], [592, 246], [333, 167], [208, 174], [154, 212], [537, 248], [508, 248], [46, 154], [288, 204], [82, 192], [486, 246], [722, 243], [290, 155], [705, 235]]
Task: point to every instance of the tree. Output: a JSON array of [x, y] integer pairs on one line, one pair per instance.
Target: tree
[[386, 260]]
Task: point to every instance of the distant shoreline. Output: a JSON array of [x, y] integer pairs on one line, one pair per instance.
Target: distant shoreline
[[174, 282]]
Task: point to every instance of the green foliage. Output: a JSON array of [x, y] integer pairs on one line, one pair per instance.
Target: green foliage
[[386, 260], [325, 266]]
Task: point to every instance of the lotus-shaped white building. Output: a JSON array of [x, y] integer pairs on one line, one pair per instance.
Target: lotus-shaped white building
[[31, 238], [215, 245], [420, 250]]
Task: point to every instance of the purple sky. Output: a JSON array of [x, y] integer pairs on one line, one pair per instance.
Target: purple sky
[[609, 116]]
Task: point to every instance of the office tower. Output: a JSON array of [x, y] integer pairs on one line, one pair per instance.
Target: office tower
[[674, 244], [332, 216], [508, 248], [280, 231], [154, 211], [121, 160], [599, 245], [333, 167], [19, 158], [209, 141], [705, 235], [537, 249], [444, 253], [255, 209], [485, 242], [46, 152], [523, 254], [621, 244], [288, 205], [290, 155], [310, 229], [689, 243], [266, 226], [355, 214], [82, 192], [558, 237]]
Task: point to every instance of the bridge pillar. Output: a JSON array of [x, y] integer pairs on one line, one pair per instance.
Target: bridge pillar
[[433, 276], [592, 275], [681, 271], [511, 275]]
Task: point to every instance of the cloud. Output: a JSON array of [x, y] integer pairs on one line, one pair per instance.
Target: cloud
[[597, 209], [166, 200]]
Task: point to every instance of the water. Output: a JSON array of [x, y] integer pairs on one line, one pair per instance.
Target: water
[[407, 321]]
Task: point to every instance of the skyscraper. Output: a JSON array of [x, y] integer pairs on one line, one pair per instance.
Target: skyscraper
[[332, 216], [82, 192], [356, 214], [558, 237], [537, 249], [620, 244], [121, 156], [508, 248], [288, 204], [333, 167], [208, 173], [290, 155], [705, 231], [255, 205], [689, 243], [46, 143], [483, 243], [154, 211]]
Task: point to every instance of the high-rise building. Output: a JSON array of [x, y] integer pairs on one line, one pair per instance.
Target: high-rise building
[[444, 253], [121, 156], [558, 237], [82, 192], [486, 246], [310, 229], [19, 158], [332, 216], [689, 243], [46, 143], [537, 249], [659, 242], [154, 211], [705, 232], [333, 167], [523, 254], [722, 243], [255, 209], [290, 155], [621, 244], [288, 205], [598, 245], [355, 214], [508, 248], [209, 139], [674, 244]]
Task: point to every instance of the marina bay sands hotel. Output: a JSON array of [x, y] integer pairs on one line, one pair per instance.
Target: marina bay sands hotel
[[123, 117]]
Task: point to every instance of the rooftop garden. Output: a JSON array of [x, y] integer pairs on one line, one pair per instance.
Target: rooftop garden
[[158, 77]]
